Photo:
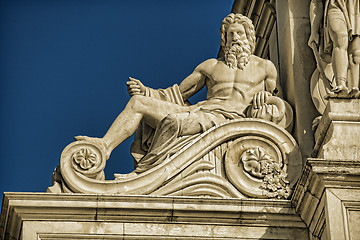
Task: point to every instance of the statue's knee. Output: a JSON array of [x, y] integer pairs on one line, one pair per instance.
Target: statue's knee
[[341, 41], [170, 122], [170, 119], [136, 100], [356, 56]]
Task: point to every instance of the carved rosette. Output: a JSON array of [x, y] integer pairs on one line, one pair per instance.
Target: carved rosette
[[85, 158], [255, 161]]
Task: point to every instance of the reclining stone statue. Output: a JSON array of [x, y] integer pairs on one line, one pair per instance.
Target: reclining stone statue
[[176, 141]]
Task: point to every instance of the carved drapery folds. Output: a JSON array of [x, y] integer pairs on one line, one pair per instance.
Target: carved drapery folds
[[240, 158]]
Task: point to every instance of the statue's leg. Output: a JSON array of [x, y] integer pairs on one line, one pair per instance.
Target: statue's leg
[[339, 36], [151, 110], [354, 62]]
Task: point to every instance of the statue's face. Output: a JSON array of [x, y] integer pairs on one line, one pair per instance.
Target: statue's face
[[235, 33]]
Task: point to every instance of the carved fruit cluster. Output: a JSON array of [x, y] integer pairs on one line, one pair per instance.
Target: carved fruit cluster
[[274, 183]]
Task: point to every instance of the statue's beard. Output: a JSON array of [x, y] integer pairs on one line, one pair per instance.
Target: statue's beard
[[238, 55]]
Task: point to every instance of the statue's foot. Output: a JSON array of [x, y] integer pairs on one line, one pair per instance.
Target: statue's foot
[[354, 93], [340, 91], [97, 141], [119, 176]]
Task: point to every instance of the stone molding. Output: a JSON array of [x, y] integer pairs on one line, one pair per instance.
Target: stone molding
[[88, 216], [327, 193]]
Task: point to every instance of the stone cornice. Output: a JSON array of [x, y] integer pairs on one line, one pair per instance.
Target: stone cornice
[[19, 207]]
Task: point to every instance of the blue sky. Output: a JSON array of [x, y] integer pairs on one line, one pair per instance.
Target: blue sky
[[63, 68]]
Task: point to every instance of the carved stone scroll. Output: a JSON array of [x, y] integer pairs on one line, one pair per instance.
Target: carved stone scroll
[[240, 158]]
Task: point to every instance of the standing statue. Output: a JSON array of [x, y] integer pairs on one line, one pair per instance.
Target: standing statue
[[339, 44], [233, 144]]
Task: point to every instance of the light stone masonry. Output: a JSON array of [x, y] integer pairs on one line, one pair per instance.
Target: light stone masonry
[[31, 216]]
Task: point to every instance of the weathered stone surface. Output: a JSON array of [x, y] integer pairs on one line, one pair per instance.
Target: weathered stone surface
[[296, 64], [79, 216], [327, 198], [338, 130]]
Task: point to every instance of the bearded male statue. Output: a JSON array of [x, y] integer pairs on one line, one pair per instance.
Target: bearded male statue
[[239, 85]]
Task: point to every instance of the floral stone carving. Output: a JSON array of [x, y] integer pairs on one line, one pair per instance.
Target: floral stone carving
[[208, 165], [275, 183], [255, 161], [85, 158]]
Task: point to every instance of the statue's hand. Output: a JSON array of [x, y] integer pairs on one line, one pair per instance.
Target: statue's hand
[[314, 37], [135, 87], [267, 107], [260, 98]]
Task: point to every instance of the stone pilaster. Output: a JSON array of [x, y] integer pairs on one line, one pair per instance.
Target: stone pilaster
[[296, 64], [327, 196]]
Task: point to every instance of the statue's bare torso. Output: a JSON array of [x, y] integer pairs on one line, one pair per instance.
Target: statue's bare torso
[[234, 87]]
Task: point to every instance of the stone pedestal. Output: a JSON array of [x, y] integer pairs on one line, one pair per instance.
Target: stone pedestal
[[327, 196], [82, 216], [338, 133]]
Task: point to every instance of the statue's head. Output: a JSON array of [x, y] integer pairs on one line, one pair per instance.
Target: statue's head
[[237, 39]]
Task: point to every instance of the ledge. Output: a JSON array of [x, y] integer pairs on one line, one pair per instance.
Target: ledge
[[151, 211]]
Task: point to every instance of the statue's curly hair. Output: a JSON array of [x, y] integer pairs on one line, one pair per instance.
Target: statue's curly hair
[[238, 18]]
